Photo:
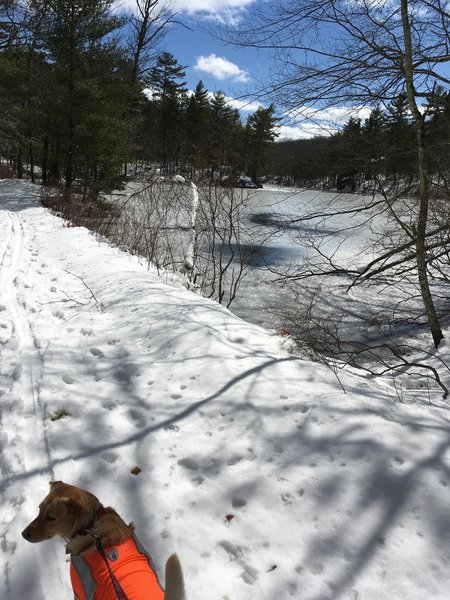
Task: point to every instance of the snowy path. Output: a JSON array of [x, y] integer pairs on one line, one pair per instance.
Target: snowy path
[[25, 450], [267, 479]]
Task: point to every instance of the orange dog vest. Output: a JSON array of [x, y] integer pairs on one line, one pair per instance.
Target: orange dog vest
[[131, 565]]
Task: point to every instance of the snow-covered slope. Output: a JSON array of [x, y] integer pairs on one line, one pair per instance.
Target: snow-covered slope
[[266, 477]]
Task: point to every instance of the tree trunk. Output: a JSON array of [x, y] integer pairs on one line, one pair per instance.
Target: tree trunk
[[70, 104], [31, 159], [44, 159], [422, 168], [19, 161]]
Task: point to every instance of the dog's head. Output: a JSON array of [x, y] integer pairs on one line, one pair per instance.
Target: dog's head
[[63, 512]]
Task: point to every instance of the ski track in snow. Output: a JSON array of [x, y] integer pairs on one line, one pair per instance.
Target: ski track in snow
[[25, 449]]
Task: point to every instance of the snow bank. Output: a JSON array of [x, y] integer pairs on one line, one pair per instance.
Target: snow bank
[[265, 477]]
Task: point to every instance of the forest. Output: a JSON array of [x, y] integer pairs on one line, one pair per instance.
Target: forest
[[84, 94], [366, 153], [87, 97]]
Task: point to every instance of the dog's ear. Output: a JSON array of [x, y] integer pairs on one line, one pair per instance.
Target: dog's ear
[[77, 501], [54, 484], [74, 505]]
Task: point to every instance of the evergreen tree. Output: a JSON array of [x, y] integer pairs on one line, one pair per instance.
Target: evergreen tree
[[400, 156], [226, 128], [167, 86], [373, 133], [260, 136], [197, 123], [439, 132], [348, 152], [88, 90]]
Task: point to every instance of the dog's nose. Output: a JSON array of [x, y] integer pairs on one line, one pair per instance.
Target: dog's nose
[[26, 533]]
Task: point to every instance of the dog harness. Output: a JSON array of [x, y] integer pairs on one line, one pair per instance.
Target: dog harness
[[131, 566]]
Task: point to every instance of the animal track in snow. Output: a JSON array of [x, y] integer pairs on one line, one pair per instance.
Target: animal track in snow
[[109, 404], [238, 502], [192, 465], [68, 379], [58, 314], [286, 498], [86, 332], [2, 307], [235, 554], [96, 352], [316, 568], [249, 574], [170, 427], [138, 417], [110, 457]]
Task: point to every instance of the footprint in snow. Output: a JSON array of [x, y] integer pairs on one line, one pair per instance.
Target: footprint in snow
[[249, 575], [192, 465], [58, 314], [138, 417], [109, 404], [2, 307], [316, 568], [110, 457], [68, 379], [96, 352], [86, 332], [238, 502]]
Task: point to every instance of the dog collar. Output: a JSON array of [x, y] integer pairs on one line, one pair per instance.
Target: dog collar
[[99, 513]]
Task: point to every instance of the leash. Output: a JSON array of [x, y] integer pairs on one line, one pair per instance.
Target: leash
[[99, 546]]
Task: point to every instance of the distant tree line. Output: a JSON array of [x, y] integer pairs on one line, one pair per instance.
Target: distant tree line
[[201, 132], [377, 150], [83, 94]]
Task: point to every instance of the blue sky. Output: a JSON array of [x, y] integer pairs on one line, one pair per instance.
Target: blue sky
[[222, 67], [233, 70]]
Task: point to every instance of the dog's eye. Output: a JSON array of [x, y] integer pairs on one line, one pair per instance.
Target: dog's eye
[[49, 518]]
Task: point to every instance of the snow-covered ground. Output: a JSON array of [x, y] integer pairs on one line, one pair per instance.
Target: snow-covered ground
[[271, 478]]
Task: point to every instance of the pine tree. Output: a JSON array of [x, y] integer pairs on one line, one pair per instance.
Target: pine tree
[[197, 124], [400, 156], [373, 132], [260, 136], [225, 133], [87, 90], [167, 86]]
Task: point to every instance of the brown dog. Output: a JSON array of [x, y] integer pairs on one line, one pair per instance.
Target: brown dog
[[107, 560]]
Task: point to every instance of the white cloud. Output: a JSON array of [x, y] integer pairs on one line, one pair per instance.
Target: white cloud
[[220, 68], [330, 117], [224, 11], [307, 122], [243, 105]]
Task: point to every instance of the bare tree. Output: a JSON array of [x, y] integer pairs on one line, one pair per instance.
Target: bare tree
[[357, 53], [148, 27]]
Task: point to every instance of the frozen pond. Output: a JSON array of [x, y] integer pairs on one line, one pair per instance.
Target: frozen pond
[[269, 290], [282, 235]]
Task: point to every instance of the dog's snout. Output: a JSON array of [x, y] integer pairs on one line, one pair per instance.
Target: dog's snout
[[26, 533]]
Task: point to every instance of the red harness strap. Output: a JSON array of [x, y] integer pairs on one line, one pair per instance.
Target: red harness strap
[[131, 566]]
